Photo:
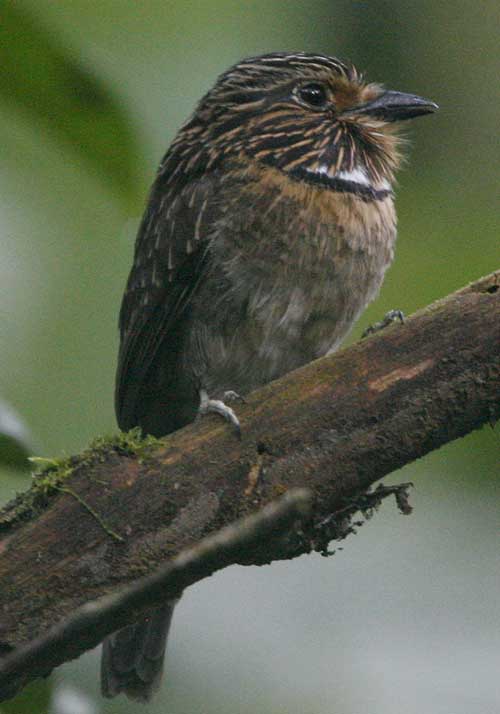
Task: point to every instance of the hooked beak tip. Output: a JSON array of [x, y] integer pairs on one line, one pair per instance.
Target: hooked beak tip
[[396, 106]]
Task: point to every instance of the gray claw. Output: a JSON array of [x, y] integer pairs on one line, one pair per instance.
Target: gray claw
[[231, 396], [388, 319], [217, 406]]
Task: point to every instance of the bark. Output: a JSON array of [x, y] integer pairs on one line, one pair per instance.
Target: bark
[[121, 511]]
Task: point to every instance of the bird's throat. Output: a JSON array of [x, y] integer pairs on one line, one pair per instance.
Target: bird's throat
[[353, 182]]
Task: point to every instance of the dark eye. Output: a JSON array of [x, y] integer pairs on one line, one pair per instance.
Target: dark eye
[[313, 94]]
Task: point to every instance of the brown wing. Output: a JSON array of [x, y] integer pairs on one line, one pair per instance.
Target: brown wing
[[171, 254]]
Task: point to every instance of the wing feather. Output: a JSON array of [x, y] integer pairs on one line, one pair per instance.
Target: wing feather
[[171, 255]]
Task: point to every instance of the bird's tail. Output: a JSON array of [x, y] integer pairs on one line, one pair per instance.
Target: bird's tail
[[132, 658]]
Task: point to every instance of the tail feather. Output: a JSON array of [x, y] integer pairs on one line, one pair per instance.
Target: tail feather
[[132, 658]]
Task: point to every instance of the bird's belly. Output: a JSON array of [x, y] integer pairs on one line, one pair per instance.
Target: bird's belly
[[288, 289], [275, 326]]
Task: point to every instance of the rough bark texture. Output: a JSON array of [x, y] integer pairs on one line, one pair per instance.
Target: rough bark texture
[[334, 427], [91, 622]]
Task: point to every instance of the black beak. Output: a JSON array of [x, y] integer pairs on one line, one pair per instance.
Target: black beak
[[396, 106]]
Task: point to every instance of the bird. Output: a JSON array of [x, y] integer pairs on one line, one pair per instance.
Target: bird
[[269, 228]]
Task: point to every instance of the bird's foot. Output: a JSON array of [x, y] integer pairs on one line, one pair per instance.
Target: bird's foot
[[231, 396], [388, 319], [217, 406]]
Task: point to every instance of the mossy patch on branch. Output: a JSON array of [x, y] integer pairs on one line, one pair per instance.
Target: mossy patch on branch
[[52, 473]]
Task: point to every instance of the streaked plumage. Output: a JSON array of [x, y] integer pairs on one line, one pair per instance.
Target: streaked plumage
[[269, 228]]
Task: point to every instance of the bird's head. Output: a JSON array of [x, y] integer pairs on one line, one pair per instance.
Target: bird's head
[[311, 116]]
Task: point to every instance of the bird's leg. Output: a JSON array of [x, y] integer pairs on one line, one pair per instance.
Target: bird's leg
[[217, 406], [388, 319]]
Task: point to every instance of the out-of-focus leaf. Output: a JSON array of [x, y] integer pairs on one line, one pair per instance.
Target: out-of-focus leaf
[[15, 439], [39, 76], [35, 698]]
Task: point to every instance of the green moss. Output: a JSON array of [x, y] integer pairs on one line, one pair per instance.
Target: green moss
[[52, 473], [131, 443]]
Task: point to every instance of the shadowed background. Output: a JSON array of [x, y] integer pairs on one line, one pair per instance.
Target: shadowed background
[[405, 617]]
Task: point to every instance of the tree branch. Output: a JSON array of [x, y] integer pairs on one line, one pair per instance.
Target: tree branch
[[93, 524], [92, 620]]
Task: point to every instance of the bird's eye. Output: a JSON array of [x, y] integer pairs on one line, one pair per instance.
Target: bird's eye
[[313, 94]]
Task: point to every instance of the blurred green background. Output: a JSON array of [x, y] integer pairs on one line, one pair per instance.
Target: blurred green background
[[406, 617]]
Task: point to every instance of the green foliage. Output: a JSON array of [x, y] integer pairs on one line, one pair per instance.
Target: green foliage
[[15, 440], [35, 699], [41, 78]]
